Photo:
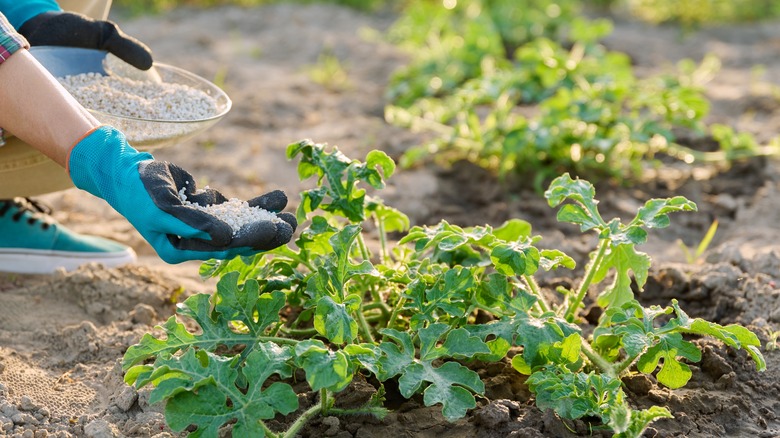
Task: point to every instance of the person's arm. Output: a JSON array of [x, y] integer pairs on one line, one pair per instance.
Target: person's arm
[[38, 110]]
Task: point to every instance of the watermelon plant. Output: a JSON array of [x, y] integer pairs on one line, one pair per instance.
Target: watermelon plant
[[328, 308], [531, 91]]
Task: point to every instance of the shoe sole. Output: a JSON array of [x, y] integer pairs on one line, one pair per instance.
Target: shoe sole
[[30, 261]]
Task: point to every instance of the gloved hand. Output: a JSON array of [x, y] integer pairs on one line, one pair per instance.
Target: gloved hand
[[146, 193], [57, 28]]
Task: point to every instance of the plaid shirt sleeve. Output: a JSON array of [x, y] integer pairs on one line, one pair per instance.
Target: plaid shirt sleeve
[[10, 40]]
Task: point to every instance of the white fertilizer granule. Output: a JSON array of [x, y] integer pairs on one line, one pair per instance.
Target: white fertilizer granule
[[148, 100], [234, 212]]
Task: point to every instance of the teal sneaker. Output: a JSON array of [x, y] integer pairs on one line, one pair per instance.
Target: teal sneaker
[[32, 242]]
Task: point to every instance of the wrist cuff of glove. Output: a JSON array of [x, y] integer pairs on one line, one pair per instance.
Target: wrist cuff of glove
[[21, 12], [97, 163], [73, 146]]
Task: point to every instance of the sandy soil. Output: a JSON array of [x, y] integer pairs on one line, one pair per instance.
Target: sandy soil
[[62, 336]]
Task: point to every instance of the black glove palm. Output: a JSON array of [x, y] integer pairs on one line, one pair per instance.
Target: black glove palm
[[75, 30], [164, 180]]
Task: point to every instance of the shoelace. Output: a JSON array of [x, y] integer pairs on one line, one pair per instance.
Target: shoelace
[[39, 211]]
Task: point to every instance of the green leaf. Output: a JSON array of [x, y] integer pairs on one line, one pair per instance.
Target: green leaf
[[447, 238], [366, 355], [246, 305], [334, 321], [396, 356], [673, 373], [575, 395], [197, 386], [392, 219], [335, 270], [215, 331], [429, 337], [624, 259], [513, 230], [640, 420], [446, 387], [449, 295], [496, 292], [344, 269], [542, 338], [515, 259], [553, 259], [338, 178], [654, 214], [584, 211], [379, 158], [460, 344], [451, 384], [325, 369], [732, 335], [520, 365]]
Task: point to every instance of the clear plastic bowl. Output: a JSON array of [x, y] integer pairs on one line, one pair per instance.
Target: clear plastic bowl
[[143, 134]]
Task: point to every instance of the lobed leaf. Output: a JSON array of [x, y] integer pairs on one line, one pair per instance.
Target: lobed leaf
[[450, 295], [674, 373], [624, 259], [201, 389], [451, 384], [583, 212], [234, 303]]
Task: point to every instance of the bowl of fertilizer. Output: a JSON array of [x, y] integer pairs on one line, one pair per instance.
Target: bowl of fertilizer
[[160, 107]]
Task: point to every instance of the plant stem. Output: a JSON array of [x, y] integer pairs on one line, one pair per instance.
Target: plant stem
[[574, 306], [363, 248], [374, 317], [276, 328], [278, 340], [268, 432], [371, 410], [307, 332], [396, 309], [624, 364], [534, 286], [379, 305], [364, 327], [495, 312], [292, 432], [380, 226], [297, 320], [324, 401], [596, 359]]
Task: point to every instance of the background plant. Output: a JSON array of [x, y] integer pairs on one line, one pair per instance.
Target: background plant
[[695, 13], [531, 91], [330, 308]]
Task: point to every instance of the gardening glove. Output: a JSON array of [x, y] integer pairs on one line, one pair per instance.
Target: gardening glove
[[57, 28], [146, 192]]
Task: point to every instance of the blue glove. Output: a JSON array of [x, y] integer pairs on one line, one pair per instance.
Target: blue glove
[[19, 11], [146, 193]]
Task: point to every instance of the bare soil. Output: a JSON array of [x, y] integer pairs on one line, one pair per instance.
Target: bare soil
[[62, 336]]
